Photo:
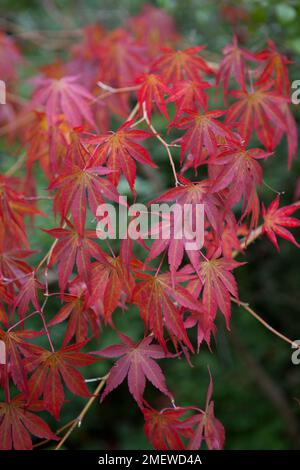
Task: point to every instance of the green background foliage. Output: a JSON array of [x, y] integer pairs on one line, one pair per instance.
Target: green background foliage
[[255, 382]]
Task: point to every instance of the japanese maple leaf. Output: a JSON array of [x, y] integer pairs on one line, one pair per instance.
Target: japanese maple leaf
[[291, 133], [28, 293], [77, 313], [203, 132], [17, 348], [153, 89], [111, 284], [233, 65], [156, 297], [13, 208], [166, 428], [122, 59], [63, 96], [276, 220], [17, 422], [218, 285], [73, 248], [120, 150], [260, 111], [209, 428], [237, 168], [275, 68], [50, 368], [137, 363], [78, 183], [188, 95], [180, 65]]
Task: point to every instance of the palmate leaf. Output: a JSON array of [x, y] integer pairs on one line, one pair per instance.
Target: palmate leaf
[[188, 95], [63, 96], [73, 248], [78, 183], [180, 65], [209, 427], [137, 363], [50, 369], [203, 134], [120, 151], [274, 68], [277, 219], [18, 420], [259, 110], [153, 89], [166, 428], [156, 297], [233, 64], [218, 285], [236, 167]]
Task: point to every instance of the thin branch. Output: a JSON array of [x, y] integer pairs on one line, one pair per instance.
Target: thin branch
[[164, 143], [78, 420], [246, 307]]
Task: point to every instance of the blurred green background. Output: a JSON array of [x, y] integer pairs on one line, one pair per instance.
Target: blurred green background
[[255, 383]]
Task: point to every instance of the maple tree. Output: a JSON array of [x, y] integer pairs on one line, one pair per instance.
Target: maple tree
[[82, 127]]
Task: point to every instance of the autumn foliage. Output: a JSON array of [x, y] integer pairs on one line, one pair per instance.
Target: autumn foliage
[[86, 127]]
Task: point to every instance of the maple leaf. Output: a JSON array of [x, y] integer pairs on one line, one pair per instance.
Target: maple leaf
[[17, 422], [16, 350], [28, 293], [50, 368], [259, 111], [203, 132], [209, 427], [165, 428], [188, 95], [180, 65], [77, 183], [120, 150], [155, 296], [237, 168], [275, 221], [122, 59], [63, 96], [78, 314], [111, 283], [218, 285], [73, 248], [274, 69], [233, 65], [138, 364], [152, 90]]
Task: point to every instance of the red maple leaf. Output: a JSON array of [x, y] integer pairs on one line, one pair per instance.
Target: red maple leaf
[[137, 364], [73, 248], [180, 65], [233, 65], [120, 150], [209, 428], [188, 95], [203, 134], [50, 368], [17, 421], [259, 110], [63, 96], [156, 296], [236, 168], [275, 221], [77, 313], [166, 428], [218, 285], [78, 183], [275, 68], [153, 89]]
